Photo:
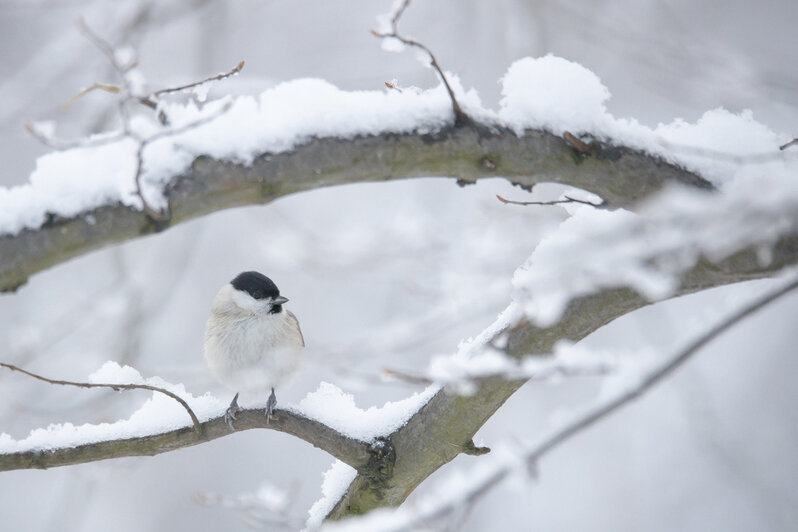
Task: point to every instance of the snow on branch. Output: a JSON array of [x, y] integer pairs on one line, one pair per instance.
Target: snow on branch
[[160, 425], [389, 33], [114, 386], [650, 250], [444, 427], [462, 372], [138, 130], [307, 134], [463, 491]]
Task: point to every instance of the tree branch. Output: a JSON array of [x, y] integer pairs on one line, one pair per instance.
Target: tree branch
[[444, 427], [460, 117], [412, 519], [115, 387], [619, 175], [356, 453]]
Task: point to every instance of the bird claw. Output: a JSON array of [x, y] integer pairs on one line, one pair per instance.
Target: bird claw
[[230, 413], [270, 404]]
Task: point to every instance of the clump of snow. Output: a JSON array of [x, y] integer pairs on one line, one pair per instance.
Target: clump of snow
[[392, 44], [474, 346], [553, 93], [158, 414], [112, 373], [457, 489], [548, 92], [460, 371], [77, 180], [596, 249], [334, 484], [337, 409], [70, 182], [558, 95], [717, 145]]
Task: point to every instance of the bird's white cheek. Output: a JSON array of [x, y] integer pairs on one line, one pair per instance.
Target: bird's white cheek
[[246, 302]]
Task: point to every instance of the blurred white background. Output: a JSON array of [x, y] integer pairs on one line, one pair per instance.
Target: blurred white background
[[387, 275]]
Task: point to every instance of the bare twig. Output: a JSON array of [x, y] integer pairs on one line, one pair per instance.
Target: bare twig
[[224, 75], [412, 518], [578, 144], [567, 199], [460, 117], [393, 85], [793, 142], [104, 46], [59, 144], [122, 70], [754, 158], [107, 87], [144, 142], [514, 372], [115, 387], [127, 93]]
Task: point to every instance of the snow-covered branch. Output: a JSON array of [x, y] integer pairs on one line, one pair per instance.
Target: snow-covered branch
[[115, 387], [445, 426], [487, 475], [41, 238], [160, 425], [349, 450]]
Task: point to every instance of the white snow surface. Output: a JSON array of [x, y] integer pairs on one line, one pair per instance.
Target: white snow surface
[[333, 486], [336, 408], [648, 251], [567, 358], [156, 415], [160, 413], [548, 92]]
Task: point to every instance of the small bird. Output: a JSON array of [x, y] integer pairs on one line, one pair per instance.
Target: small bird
[[252, 344]]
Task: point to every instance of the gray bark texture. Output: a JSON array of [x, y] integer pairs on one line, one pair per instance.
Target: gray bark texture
[[617, 174]]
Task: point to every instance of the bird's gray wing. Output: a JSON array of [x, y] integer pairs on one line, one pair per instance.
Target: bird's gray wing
[[295, 321]]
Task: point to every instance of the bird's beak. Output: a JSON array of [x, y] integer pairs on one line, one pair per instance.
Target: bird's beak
[[279, 300]]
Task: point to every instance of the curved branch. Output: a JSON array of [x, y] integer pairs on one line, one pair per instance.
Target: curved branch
[[619, 175], [583, 419], [115, 387], [354, 452], [446, 425]]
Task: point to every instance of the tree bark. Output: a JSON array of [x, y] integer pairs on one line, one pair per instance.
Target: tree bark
[[619, 175], [351, 451]]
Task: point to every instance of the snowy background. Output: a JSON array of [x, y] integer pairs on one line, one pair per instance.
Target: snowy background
[[390, 275]]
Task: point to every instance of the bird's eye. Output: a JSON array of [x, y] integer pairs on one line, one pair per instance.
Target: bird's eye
[[257, 294]]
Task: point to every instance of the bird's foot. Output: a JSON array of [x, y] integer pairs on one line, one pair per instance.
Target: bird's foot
[[232, 410], [270, 404]]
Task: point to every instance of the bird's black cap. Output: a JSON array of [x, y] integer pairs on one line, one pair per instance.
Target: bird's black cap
[[255, 284]]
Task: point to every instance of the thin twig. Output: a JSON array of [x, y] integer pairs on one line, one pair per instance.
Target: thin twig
[[115, 387], [143, 143], [126, 91], [753, 158], [103, 45], [106, 87], [578, 144], [63, 144], [510, 374], [567, 199], [460, 117], [588, 417], [793, 142], [224, 75]]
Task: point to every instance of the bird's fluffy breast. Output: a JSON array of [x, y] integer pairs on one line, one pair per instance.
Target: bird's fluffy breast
[[252, 352]]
